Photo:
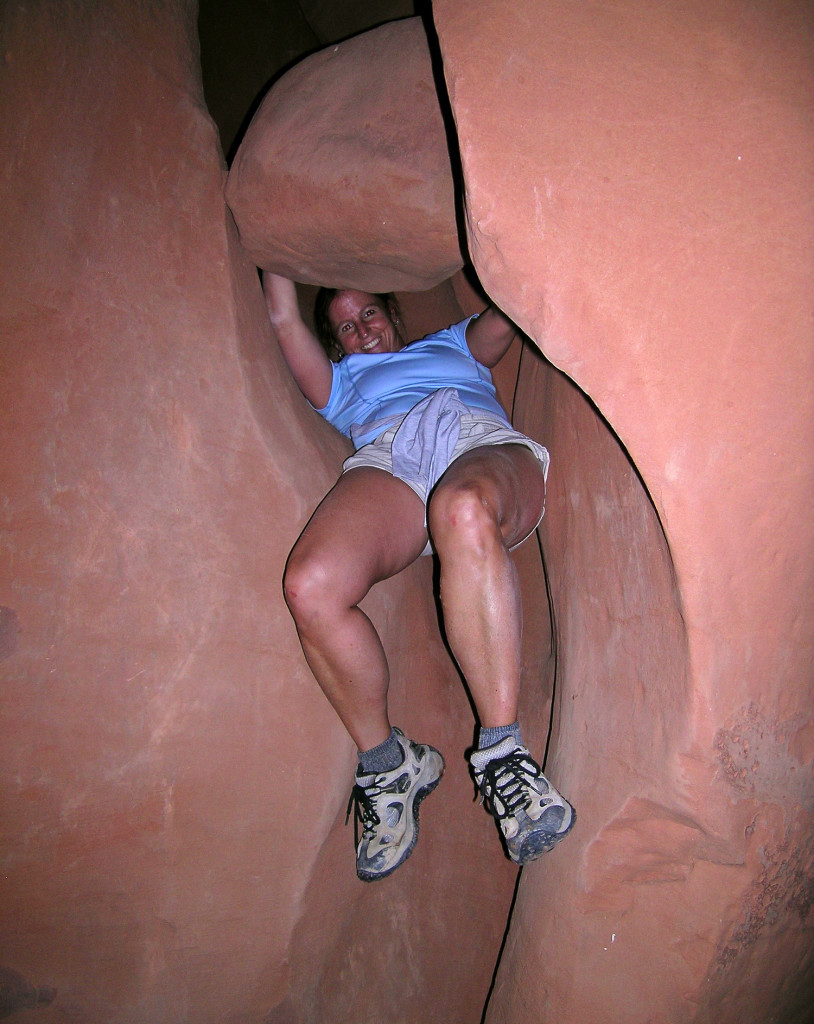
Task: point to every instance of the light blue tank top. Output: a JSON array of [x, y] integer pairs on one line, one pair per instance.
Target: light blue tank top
[[369, 388]]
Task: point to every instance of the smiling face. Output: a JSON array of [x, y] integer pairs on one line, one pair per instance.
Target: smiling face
[[361, 323]]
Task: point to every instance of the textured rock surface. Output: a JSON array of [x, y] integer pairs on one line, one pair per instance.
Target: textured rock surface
[[173, 784], [653, 232], [343, 176]]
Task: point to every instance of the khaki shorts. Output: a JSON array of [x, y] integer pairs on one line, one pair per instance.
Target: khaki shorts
[[477, 430]]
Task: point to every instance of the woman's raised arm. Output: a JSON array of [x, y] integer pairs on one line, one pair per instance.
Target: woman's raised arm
[[306, 358], [490, 335]]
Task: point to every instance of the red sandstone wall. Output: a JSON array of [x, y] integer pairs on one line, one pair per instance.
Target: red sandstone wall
[[173, 783], [646, 215], [160, 464]]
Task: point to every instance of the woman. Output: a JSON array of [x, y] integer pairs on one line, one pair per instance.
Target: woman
[[437, 466]]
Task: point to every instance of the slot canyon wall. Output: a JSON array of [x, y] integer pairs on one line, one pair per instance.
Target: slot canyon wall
[[171, 850], [662, 179]]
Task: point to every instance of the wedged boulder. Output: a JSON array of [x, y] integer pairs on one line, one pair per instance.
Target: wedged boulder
[[343, 176]]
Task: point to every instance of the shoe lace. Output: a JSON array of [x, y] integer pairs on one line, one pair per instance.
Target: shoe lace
[[362, 804], [507, 778]]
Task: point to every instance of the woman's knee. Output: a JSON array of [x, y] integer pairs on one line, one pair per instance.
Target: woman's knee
[[462, 512], [320, 583], [308, 586]]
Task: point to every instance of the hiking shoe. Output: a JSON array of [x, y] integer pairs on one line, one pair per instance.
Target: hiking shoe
[[386, 805], [532, 815]]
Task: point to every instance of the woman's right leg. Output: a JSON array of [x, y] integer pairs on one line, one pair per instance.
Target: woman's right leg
[[369, 527]]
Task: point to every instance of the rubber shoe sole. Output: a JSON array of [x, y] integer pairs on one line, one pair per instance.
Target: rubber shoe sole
[[537, 840]]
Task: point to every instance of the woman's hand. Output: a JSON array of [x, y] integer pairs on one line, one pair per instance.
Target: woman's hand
[[306, 358]]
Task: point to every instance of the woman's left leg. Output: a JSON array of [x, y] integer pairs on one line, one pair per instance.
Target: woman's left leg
[[488, 500]]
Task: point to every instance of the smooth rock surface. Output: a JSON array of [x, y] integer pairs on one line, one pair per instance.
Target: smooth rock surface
[[343, 177], [652, 231], [173, 782]]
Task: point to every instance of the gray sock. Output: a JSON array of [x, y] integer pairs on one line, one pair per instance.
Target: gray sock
[[383, 758], [491, 735]]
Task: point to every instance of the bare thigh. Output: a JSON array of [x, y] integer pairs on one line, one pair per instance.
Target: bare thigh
[[368, 527], [508, 479]]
